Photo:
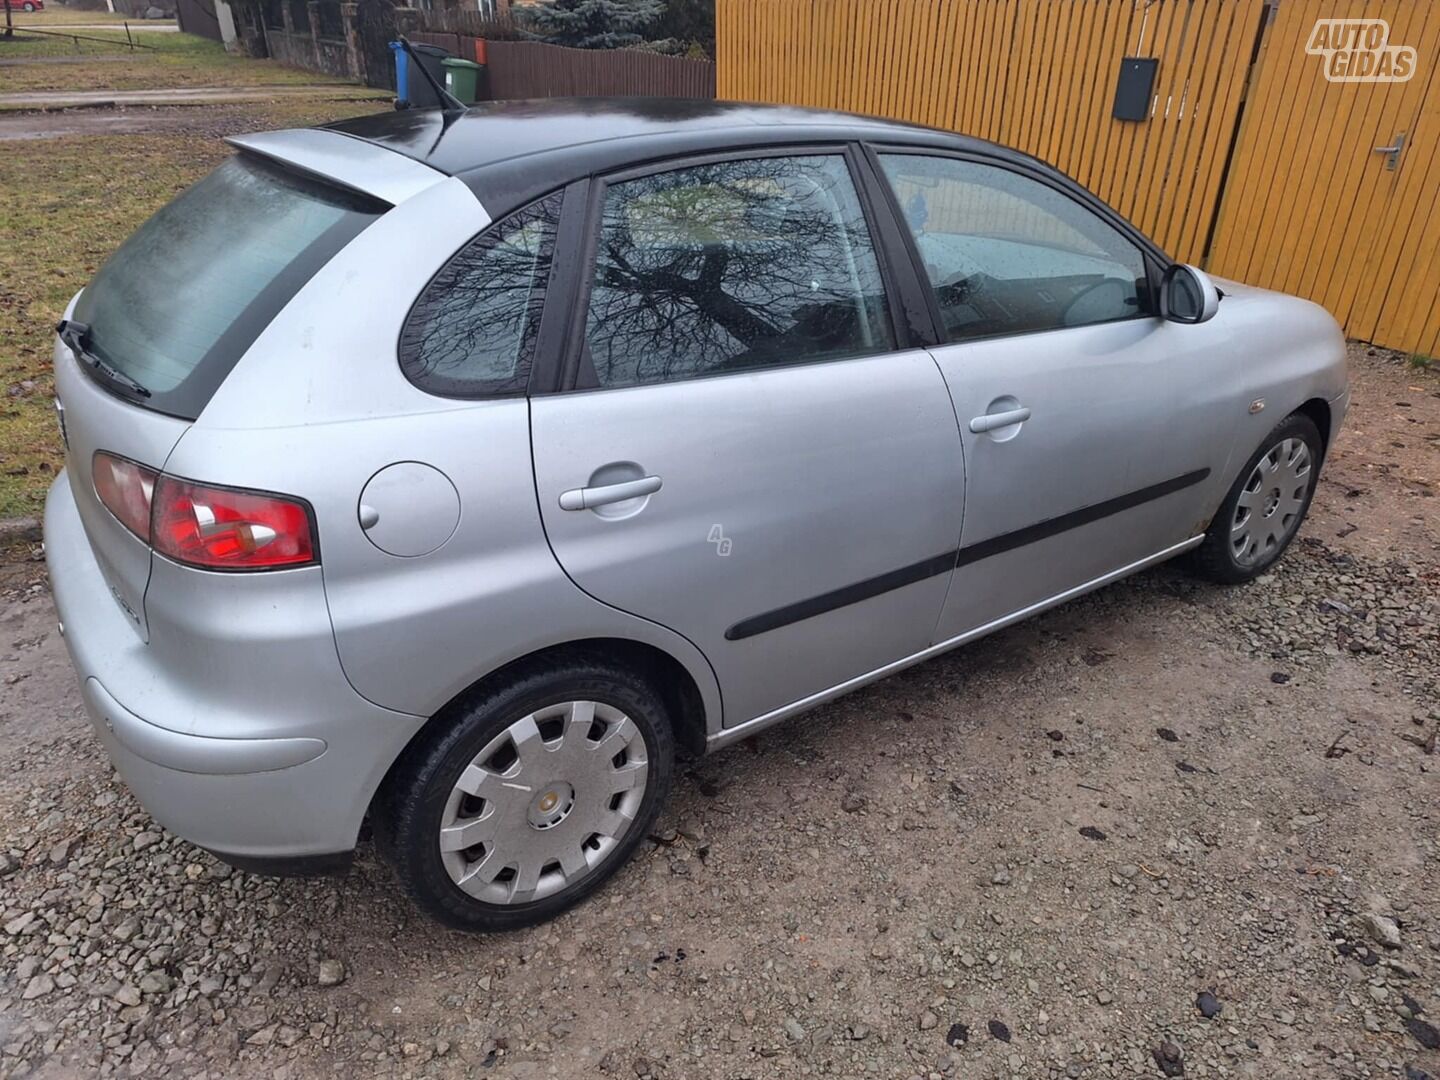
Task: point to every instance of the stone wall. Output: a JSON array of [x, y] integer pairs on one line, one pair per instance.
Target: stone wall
[[326, 41]]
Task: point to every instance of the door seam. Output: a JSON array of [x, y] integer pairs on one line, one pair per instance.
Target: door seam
[[964, 495]]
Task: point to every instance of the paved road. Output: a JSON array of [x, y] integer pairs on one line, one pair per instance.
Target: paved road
[[157, 27], [193, 95], [21, 124]]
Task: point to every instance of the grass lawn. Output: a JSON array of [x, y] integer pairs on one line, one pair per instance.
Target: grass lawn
[[70, 202], [177, 60]]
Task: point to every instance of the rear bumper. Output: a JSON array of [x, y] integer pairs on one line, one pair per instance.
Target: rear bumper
[[234, 725], [199, 754]]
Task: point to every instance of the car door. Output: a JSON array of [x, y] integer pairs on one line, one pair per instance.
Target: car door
[[746, 450], [1096, 434]]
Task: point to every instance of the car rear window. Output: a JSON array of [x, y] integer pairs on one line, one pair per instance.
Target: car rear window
[[181, 300]]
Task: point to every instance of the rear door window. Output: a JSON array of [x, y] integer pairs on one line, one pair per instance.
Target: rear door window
[[732, 266], [181, 300]]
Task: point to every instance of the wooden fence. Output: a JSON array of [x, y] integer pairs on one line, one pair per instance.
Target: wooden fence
[[523, 69], [1210, 176], [531, 69], [1312, 209]]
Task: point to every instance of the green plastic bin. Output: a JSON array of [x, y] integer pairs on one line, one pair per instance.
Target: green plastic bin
[[461, 77]]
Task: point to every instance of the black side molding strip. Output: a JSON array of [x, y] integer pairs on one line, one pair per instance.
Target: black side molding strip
[[1043, 530], [953, 560], [850, 594]]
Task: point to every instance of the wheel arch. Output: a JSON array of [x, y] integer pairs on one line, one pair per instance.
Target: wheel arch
[[671, 679], [1318, 411]]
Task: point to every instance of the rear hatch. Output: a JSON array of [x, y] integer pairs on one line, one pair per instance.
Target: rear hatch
[[149, 340]]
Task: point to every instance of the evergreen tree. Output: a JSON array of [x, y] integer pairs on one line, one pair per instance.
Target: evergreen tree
[[689, 22], [591, 24]]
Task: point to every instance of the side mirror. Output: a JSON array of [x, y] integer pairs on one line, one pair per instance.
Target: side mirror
[[1187, 295]]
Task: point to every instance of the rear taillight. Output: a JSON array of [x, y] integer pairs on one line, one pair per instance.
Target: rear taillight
[[216, 528], [226, 529], [126, 490]]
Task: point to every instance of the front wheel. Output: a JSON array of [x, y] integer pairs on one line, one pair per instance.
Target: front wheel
[[530, 796], [1264, 509]]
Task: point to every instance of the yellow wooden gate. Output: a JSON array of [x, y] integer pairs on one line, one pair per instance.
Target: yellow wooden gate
[[1306, 205], [1038, 75], [1312, 208]]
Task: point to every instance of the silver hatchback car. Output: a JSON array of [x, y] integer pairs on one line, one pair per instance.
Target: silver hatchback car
[[458, 470]]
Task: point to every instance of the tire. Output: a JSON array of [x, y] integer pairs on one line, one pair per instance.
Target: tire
[[524, 769], [1239, 549], [27, 6]]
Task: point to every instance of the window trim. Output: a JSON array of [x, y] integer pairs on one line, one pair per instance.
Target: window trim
[[915, 295], [1154, 259], [577, 302], [567, 263]]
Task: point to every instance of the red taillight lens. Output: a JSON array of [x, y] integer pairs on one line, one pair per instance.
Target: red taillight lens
[[212, 527], [225, 529], [126, 490]]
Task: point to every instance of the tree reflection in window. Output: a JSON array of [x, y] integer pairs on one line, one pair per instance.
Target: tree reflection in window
[[472, 332], [730, 266]]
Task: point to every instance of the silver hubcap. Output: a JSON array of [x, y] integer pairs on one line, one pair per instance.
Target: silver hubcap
[[544, 803], [1268, 511]]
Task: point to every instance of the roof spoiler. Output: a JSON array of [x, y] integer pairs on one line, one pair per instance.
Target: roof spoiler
[[344, 161]]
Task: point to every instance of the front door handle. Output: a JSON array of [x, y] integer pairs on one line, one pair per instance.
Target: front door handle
[[991, 421], [590, 497]]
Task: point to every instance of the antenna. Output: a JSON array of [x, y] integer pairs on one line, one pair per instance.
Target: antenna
[[448, 101]]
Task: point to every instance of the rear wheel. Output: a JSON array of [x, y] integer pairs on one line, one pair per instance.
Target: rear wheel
[[1264, 509], [531, 797]]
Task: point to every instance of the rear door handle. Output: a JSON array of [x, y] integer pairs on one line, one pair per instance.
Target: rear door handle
[[991, 421], [591, 497]]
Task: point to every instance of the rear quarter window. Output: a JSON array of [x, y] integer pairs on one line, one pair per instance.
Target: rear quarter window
[[472, 331], [182, 299]]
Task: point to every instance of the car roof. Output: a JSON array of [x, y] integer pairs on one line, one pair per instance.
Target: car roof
[[513, 151]]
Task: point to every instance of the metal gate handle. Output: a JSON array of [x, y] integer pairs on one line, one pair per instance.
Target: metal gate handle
[[1392, 153]]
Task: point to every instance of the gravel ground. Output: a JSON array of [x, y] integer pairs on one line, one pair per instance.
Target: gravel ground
[[1169, 829]]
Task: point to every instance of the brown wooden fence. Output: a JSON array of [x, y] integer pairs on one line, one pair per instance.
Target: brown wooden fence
[[476, 24], [1248, 160], [521, 69], [532, 69]]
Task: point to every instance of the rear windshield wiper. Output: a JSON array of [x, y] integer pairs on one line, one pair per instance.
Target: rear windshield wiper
[[76, 336]]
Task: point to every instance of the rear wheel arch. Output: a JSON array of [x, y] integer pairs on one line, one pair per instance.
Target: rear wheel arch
[[466, 833], [666, 675]]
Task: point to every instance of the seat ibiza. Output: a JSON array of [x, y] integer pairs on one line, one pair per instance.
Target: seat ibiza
[[456, 470]]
